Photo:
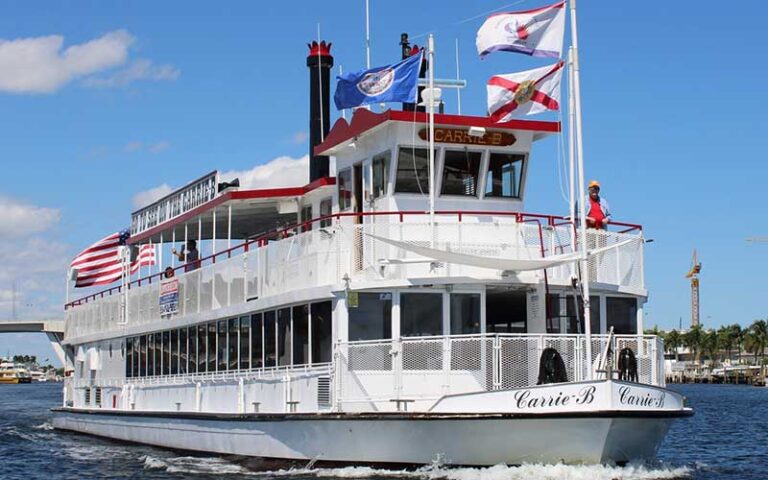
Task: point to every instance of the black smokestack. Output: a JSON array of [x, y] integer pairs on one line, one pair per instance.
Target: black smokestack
[[319, 62], [406, 51]]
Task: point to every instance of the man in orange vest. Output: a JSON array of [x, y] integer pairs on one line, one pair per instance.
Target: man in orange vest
[[598, 213]]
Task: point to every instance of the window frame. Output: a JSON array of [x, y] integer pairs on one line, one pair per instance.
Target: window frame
[[396, 163], [487, 168], [482, 166], [386, 155]]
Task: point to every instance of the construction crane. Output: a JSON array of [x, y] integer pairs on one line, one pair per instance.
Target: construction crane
[[693, 274]]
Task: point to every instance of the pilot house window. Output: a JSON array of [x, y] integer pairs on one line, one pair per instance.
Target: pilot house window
[[505, 171], [380, 166], [412, 171], [461, 169], [344, 180]]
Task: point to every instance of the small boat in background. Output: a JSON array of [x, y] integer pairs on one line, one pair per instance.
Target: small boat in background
[[12, 373]]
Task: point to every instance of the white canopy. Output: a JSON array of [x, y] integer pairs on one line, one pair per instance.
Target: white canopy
[[494, 263]]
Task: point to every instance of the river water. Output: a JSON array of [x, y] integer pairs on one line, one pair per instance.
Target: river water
[[726, 439]]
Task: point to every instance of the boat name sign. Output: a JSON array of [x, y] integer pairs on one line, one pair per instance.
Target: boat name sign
[[462, 136], [604, 395]]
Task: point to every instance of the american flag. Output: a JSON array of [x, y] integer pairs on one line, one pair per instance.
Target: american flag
[[145, 258], [100, 263]]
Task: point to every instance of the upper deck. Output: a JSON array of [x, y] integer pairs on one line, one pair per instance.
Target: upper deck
[[265, 248]]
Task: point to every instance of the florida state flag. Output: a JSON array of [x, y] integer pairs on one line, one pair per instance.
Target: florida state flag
[[537, 32], [524, 93]]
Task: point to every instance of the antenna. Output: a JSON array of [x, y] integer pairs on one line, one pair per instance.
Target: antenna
[[367, 36], [458, 77]]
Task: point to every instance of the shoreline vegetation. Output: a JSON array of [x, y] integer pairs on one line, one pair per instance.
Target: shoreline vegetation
[[729, 354]]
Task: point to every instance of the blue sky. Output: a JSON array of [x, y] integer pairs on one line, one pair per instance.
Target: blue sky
[[673, 100]]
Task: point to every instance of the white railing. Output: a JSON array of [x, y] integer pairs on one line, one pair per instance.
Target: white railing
[[373, 374], [324, 256]]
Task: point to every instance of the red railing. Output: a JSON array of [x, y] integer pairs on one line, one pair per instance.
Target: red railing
[[261, 240]]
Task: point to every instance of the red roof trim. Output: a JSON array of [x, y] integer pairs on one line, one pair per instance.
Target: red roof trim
[[235, 195], [364, 120]]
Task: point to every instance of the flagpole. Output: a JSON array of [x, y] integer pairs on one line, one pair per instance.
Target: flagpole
[[582, 207], [571, 151], [431, 107]]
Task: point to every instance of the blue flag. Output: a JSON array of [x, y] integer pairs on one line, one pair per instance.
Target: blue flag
[[390, 83]]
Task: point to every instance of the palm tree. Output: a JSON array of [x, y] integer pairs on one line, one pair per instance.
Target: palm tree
[[758, 333], [693, 340], [709, 346], [737, 334], [725, 340], [672, 342]]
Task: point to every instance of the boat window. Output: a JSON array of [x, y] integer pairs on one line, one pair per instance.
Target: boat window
[[257, 340], [143, 356], [322, 341], [245, 342], [465, 313], [505, 310], [166, 353], [221, 351], [306, 216], [136, 356], [621, 314], [371, 318], [174, 352], [151, 355], [192, 349], [233, 343], [211, 355], [202, 348], [563, 319], [300, 334], [412, 171], [326, 209], [183, 351], [421, 314], [344, 182], [505, 171], [284, 336], [380, 166], [461, 170], [129, 358], [269, 339]]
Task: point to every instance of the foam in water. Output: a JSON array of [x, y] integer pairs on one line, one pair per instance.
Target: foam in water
[[220, 466]]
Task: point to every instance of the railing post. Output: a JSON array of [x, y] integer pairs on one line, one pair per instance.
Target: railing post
[[496, 362], [446, 365]]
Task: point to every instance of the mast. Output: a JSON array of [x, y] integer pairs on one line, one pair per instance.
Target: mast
[[431, 107], [576, 95]]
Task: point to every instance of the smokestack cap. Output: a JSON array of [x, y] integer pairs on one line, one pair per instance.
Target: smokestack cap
[[321, 49]]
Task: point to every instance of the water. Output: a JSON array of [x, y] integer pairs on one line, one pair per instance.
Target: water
[[727, 439]]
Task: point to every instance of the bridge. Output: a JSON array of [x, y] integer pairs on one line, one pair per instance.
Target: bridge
[[53, 328]]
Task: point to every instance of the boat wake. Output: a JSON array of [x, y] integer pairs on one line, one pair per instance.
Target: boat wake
[[221, 466]]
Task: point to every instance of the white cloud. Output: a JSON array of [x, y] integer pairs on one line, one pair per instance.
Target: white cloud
[[43, 65], [142, 199], [18, 219], [280, 172], [32, 259], [39, 65], [141, 69], [159, 147]]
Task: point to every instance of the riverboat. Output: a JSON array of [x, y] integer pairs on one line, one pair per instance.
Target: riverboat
[[378, 316], [12, 373]]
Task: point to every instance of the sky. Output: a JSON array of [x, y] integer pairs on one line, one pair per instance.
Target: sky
[[110, 104]]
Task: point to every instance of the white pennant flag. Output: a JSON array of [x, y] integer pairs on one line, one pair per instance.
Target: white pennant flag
[[524, 93], [537, 32]]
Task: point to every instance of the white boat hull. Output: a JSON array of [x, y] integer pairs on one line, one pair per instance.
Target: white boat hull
[[583, 436]]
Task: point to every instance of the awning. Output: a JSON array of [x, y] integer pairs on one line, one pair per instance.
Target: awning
[[494, 263], [94, 359], [80, 356]]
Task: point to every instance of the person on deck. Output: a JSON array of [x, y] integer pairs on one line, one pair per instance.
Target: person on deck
[[191, 256], [598, 212]]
